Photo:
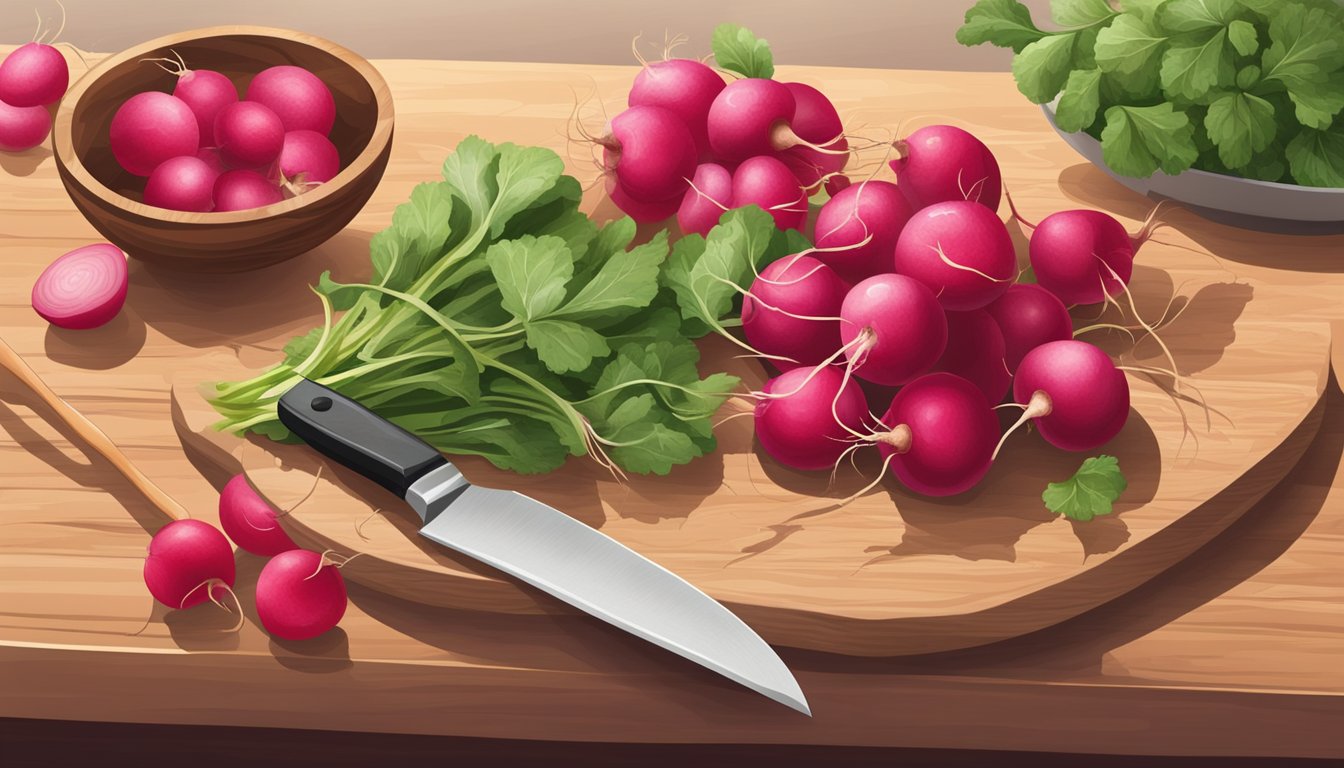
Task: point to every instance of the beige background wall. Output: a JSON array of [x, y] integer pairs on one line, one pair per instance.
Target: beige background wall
[[905, 34]]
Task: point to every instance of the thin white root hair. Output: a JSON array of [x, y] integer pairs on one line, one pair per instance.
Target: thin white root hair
[[359, 526]]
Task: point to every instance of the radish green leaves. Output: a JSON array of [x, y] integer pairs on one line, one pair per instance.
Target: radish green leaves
[[1228, 86], [1091, 492], [736, 49], [501, 321]]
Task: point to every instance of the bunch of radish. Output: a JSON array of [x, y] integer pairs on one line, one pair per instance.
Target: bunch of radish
[[694, 146], [913, 287], [300, 594], [201, 148], [33, 77]]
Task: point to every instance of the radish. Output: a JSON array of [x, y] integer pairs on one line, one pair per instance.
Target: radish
[[205, 91], [189, 562], [960, 250], [815, 121], [941, 435], [152, 127], [249, 135], [1073, 392], [33, 75], [182, 184], [1029, 316], [300, 595], [640, 211], [650, 152], [22, 128], [754, 116], [941, 163], [685, 87], [767, 182], [298, 97], [242, 190], [309, 158], [858, 227], [975, 352], [1084, 256], [808, 417], [792, 311], [892, 329], [711, 194], [82, 289], [250, 521]]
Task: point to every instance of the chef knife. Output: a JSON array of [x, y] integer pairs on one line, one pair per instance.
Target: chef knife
[[538, 544]]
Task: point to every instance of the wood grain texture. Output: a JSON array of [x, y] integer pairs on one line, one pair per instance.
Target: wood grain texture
[[110, 198], [1235, 651]]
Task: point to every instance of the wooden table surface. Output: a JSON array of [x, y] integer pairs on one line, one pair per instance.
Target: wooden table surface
[[1239, 650]]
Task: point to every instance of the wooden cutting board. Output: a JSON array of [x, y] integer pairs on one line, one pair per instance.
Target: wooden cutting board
[[889, 573]]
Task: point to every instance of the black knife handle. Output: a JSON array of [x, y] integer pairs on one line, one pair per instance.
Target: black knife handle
[[356, 437]]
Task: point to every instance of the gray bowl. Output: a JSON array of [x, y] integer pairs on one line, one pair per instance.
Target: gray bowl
[[1260, 205]]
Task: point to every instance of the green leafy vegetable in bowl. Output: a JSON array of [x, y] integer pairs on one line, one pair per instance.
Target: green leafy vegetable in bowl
[[1247, 88], [501, 321]]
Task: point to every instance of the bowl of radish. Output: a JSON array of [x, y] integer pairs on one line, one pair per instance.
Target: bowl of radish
[[159, 157]]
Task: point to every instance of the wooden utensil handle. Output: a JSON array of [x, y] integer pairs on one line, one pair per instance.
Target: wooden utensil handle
[[90, 433]]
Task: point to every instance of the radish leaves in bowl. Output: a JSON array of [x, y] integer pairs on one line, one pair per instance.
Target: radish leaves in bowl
[[1248, 88]]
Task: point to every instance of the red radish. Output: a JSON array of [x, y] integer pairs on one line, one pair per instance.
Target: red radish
[[33, 75], [942, 435], [1075, 394], [300, 595], [961, 251], [754, 116], [1083, 256], [308, 158], [151, 127], [250, 520], [892, 329], [22, 128], [975, 352], [767, 182], [651, 153], [816, 122], [300, 98], [243, 190], [744, 116], [940, 163], [711, 194], [684, 86], [1029, 316], [807, 419], [792, 311], [857, 229], [189, 562], [207, 93], [182, 184], [640, 211], [83, 289], [249, 135]]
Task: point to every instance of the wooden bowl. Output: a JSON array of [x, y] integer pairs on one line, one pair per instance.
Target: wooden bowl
[[235, 241]]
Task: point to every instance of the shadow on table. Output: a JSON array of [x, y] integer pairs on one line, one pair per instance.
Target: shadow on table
[[99, 348], [1090, 186], [23, 163], [263, 306]]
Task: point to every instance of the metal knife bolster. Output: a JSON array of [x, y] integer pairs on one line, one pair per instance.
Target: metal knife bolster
[[372, 446]]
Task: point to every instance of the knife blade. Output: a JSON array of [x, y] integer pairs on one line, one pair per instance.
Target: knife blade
[[539, 544]]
